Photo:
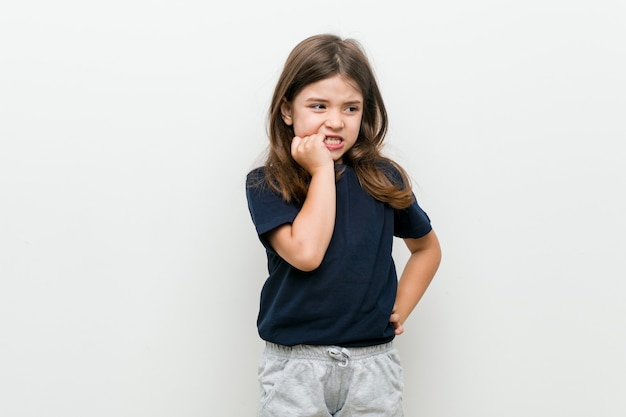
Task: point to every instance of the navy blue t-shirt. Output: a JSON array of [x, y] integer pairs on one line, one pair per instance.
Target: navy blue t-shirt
[[348, 299]]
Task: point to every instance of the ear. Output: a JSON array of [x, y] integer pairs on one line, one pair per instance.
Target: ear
[[285, 111]]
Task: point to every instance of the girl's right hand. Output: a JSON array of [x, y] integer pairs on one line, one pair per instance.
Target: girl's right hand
[[311, 153]]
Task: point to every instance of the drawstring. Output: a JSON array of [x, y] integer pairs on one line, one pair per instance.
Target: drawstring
[[342, 354]]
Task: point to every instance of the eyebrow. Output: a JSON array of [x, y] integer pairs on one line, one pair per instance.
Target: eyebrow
[[322, 100]]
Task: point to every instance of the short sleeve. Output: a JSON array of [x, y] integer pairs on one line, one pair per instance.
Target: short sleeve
[[411, 222], [267, 207]]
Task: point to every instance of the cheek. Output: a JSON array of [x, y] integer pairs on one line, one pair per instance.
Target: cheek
[[356, 129], [305, 127]]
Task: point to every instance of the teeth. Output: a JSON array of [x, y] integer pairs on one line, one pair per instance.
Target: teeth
[[332, 141]]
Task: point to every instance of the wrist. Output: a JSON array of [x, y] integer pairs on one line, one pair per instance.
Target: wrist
[[322, 170]]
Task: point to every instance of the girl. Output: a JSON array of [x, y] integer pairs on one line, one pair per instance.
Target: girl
[[326, 206]]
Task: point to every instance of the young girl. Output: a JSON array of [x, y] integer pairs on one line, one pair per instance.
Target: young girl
[[326, 207]]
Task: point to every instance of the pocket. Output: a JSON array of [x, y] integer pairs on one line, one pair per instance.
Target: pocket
[[271, 375], [395, 368], [290, 386], [380, 387]]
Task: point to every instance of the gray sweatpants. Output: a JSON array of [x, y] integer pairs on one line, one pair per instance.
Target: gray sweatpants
[[325, 381]]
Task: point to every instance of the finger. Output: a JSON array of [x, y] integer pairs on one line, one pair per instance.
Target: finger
[[316, 137], [295, 142], [394, 319]]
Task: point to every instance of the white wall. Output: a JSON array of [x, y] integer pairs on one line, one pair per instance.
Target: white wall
[[129, 267]]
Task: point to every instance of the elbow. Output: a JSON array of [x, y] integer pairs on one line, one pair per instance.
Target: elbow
[[307, 268], [304, 255], [438, 256], [307, 265], [307, 262]]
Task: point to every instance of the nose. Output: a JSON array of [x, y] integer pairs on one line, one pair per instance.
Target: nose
[[334, 121]]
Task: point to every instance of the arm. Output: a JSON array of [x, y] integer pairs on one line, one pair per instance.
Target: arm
[[416, 277], [304, 242]]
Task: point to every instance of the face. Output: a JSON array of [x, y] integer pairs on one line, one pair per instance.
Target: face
[[332, 107]]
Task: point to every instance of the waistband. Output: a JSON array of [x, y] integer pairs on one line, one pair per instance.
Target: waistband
[[323, 352]]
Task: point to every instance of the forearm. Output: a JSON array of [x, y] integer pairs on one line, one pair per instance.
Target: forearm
[[304, 242], [417, 276], [313, 226]]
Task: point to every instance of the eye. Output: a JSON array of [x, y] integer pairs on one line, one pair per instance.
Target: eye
[[318, 106]]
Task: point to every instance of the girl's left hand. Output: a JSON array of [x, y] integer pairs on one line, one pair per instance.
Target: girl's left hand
[[394, 319]]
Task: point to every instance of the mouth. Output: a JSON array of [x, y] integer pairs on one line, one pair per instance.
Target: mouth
[[333, 142]]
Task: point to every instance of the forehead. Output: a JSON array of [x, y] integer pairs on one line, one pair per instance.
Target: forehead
[[333, 88]]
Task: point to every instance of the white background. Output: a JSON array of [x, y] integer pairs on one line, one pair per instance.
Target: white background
[[129, 266]]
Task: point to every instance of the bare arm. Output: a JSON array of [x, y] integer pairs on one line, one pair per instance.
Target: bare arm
[[304, 242], [416, 277]]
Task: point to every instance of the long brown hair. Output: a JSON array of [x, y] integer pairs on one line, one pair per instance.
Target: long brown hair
[[317, 58]]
